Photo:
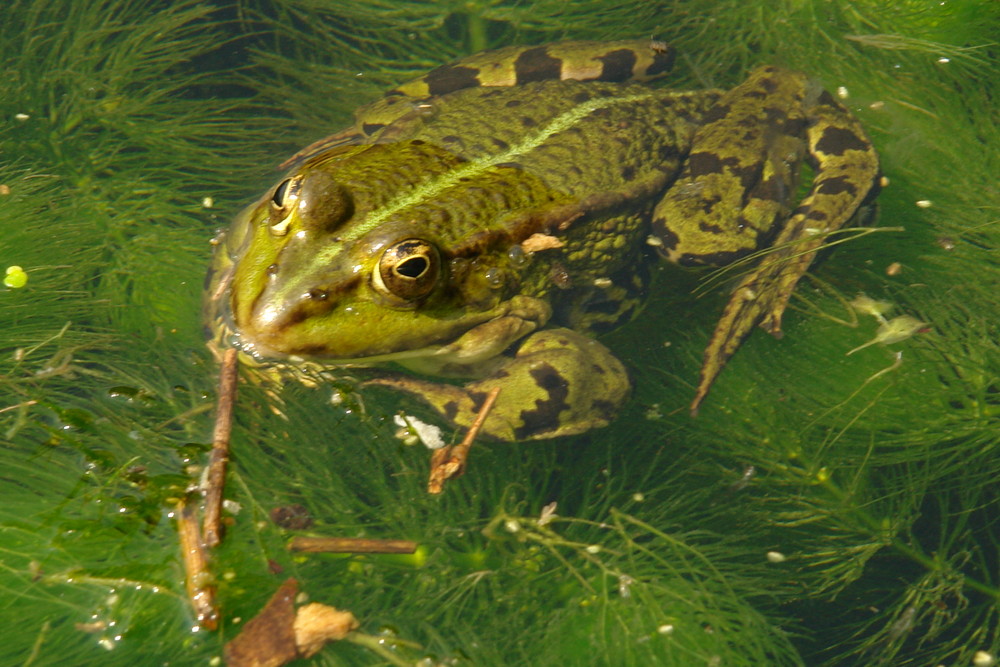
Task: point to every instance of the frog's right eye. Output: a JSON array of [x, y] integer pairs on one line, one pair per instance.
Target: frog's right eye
[[407, 272], [282, 202]]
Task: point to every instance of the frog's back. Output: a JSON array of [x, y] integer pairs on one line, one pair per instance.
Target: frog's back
[[580, 138]]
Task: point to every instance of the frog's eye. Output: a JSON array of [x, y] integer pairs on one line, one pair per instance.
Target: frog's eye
[[282, 202], [407, 270]]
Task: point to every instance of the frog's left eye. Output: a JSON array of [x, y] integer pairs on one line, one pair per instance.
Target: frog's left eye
[[282, 202], [407, 270]]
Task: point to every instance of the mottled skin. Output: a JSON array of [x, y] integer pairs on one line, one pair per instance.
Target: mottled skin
[[481, 221]]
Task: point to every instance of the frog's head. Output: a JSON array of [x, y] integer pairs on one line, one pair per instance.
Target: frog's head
[[330, 264]]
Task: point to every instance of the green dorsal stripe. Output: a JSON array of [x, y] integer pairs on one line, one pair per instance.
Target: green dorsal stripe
[[434, 187]]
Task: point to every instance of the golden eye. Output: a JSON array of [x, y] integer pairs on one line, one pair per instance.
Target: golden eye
[[407, 270], [282, 202]]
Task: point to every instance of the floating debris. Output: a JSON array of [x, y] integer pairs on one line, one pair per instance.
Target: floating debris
[[412, 430], [869, 306], [893, 331], [15, 277]]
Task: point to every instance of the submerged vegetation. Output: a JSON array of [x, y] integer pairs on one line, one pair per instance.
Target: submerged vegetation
[[822, 509]]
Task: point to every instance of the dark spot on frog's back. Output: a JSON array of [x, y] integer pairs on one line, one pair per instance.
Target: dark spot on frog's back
[[710, 228], [545, 416], [836, 186], [769, 84], [717, 112], [704, 163], [617, 65], [448, 79], [837, 141], [537, 65]]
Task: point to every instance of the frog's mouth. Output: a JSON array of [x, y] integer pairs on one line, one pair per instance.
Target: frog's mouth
[[262, 355], [339, 332], [430, 359]]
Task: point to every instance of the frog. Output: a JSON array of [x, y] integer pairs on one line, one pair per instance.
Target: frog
[[478, 227]]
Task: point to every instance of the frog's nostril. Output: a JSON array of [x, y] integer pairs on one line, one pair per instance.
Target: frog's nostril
[[317, 294]]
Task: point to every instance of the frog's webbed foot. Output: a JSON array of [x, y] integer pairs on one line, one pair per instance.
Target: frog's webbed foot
[[559, 383], [843, 190]]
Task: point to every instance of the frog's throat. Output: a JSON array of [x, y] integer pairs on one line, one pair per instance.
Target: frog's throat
[[433, 187]]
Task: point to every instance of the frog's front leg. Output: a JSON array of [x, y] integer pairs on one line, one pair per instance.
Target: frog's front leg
[[559, 383], [736, 191]]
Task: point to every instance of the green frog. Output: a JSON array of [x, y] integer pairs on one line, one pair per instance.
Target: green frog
[[478, 226]]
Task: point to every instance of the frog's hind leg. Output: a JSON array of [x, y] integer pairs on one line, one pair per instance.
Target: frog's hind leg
[[845, 185], [559, 383]]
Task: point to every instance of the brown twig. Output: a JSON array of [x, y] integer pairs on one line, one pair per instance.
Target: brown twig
[[449, 462], [197, 578], [351, 545], [25, 404], [220, 448]]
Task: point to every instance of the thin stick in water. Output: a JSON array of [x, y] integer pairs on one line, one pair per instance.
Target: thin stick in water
[[351, 545], [449, 462], [220, 448], [197, 577]]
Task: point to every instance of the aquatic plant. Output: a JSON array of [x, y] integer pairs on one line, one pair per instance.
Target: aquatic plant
[[823, 508]]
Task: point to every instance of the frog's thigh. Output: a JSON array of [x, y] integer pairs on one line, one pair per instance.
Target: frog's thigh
[[740, 175], [559, 383]]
